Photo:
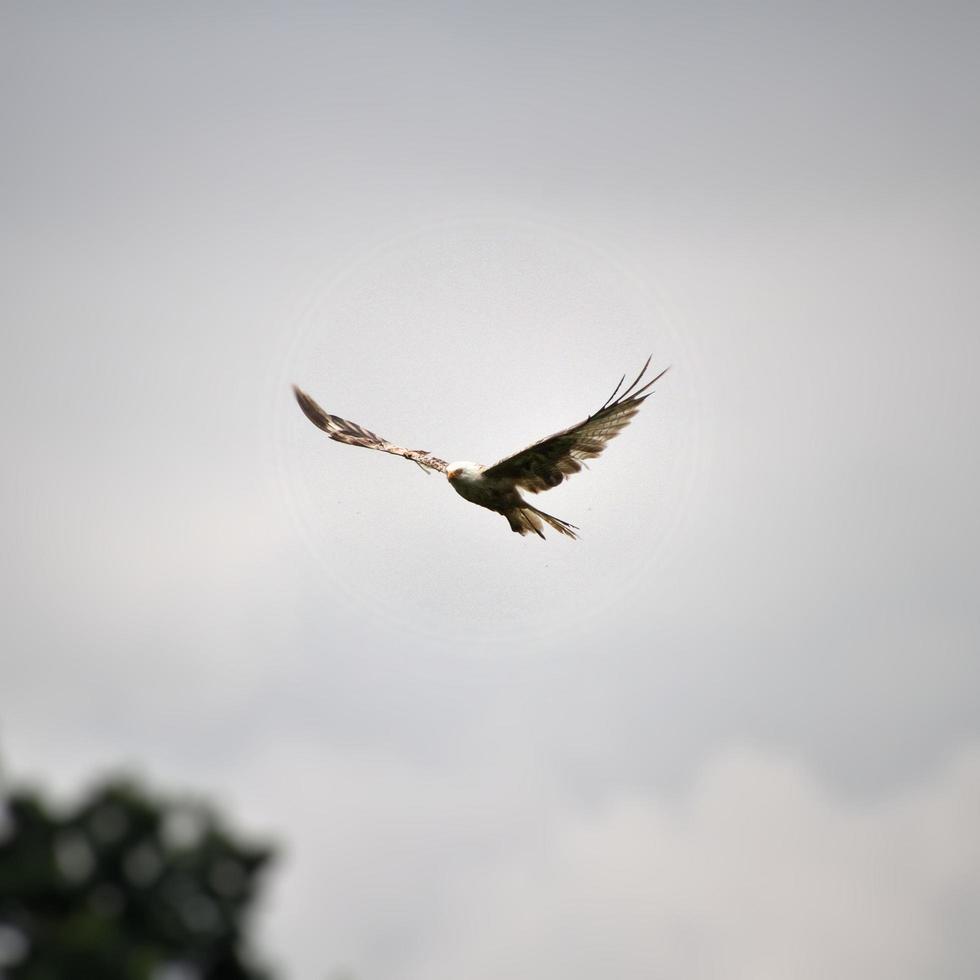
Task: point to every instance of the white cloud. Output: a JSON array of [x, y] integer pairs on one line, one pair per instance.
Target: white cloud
[[757, 871]]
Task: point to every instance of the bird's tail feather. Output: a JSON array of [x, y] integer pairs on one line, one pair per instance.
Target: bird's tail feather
[[528, 519]]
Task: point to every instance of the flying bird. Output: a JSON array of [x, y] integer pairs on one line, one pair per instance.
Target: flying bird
[[540, 466]]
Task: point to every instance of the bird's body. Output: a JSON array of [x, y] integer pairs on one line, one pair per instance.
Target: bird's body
[[468, 481], [541, 466], [499, 494]]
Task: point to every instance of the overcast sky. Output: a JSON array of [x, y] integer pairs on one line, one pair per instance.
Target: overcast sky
[[733, 733]]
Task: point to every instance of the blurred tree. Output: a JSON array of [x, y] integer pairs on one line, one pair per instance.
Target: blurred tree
[[124, 887]]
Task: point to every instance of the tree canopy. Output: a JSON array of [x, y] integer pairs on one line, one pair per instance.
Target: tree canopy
[[124, 886]]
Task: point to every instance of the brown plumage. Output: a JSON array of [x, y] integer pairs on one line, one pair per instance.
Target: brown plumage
[[549, 461], [353, 434], [541, 466]]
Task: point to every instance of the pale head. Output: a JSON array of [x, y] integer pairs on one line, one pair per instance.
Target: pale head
[[462, 470]]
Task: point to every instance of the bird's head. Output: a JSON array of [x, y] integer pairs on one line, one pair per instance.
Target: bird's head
[[462, 470]]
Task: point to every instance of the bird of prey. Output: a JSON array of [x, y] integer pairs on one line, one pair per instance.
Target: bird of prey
[[541, 466]]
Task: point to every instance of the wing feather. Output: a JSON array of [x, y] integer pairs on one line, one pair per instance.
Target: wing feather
[[352, 434], [551, 460]]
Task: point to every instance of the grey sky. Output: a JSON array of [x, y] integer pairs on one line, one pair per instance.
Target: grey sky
[[734, 731]]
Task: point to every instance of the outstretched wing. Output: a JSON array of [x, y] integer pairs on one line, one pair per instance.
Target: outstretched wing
[[545, 464], [353, 434]]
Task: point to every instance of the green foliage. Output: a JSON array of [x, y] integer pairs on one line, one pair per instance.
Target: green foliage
[[124, 887]]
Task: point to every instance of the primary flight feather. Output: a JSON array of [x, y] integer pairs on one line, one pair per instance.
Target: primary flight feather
[[540, 466]]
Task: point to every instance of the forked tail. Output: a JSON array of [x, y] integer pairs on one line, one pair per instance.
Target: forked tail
[[527, 518]]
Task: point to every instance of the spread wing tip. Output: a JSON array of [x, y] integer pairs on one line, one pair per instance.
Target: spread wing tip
[[310, 408], [632, 393], [645, 390]]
